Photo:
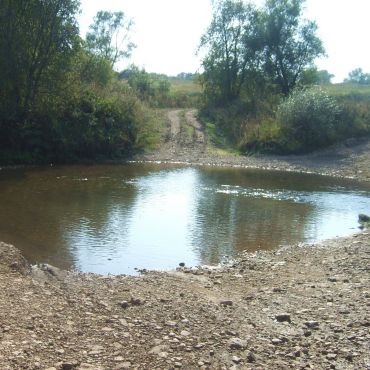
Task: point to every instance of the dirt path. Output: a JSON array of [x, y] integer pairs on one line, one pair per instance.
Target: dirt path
[[186, 142], [184, 139]]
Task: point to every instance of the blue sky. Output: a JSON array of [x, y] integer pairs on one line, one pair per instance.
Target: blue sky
[[167, 32]]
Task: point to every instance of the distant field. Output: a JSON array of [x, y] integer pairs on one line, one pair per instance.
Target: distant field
[[188, 87], [347, 90]]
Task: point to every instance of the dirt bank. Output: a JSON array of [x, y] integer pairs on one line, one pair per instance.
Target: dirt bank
[[185, 141], [299, 307]]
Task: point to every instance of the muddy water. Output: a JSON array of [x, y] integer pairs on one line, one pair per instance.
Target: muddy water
[[113, 219]]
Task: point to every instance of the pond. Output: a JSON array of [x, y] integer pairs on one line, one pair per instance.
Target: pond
[[117, 218]]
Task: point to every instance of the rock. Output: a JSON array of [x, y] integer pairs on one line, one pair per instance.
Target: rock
[[276, 341], [136, 301], [251, 357], [331, 356], [283, 317], [124, 304], [226, 302], [172, 324], [312, 324], [363, 218], [118, 359], [177, 365], [157, 349], [237, 343], [182, 264], [125, 365], [69, 365], [236, 359]]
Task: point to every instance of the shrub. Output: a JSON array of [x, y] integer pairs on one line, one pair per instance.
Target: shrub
[[309, 119]]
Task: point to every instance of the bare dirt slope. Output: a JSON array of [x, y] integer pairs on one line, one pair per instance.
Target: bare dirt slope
[[185, 141]]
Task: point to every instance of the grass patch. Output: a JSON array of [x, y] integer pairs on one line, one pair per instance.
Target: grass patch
[[189, 87]]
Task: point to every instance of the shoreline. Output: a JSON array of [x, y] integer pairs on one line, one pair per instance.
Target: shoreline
[[301, 306], [304, 306]]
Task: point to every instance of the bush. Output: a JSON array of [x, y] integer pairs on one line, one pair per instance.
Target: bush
[[310, 119]]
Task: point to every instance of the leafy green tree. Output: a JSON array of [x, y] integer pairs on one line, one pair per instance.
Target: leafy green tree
[[249, 47], [231, 45], [290, 42], [311, 76], [109, 36], [37, 41], [324, 77], [357, 76]]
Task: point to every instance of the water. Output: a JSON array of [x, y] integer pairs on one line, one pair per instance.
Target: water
[[115, 218]]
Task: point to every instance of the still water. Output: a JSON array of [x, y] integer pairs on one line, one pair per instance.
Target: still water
[[115, 218]]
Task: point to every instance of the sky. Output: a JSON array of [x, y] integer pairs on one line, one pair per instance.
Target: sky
[[167, 32]]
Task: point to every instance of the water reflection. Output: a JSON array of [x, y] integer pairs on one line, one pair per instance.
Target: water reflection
[[115, 218]]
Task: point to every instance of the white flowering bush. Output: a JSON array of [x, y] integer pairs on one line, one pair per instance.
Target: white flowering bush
[[309, 119]]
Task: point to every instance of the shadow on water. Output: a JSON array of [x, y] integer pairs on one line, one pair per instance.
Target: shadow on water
[[113, 218]]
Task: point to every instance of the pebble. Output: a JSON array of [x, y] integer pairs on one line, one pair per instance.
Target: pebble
[[136, 301], [236, 359], [226, 302], [312, 324], [251, 357], [237, 343], [68, 365], [276, 341], [283, 317]]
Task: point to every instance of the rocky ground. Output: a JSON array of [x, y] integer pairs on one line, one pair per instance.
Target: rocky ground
[[299, 307]]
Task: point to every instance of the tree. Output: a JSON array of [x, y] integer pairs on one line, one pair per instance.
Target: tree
[[109, 36], [290, 43], [37, 40], [324, 77], [250, 48], [231, 44], [311, 76], [357, 76]]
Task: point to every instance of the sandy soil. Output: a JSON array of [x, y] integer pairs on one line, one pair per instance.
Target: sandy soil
[[299, 307]]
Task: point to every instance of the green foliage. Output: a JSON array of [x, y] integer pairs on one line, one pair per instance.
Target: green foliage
[[324, 77], [59, 101], [231, 44], [160, 91], [311, 76], [349, 118], [246, 46], [309, 120], [290, 43], [37, 41], [357, 76], [109, 36]]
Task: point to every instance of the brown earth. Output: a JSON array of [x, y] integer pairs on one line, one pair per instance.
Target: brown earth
[[299, 307]]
